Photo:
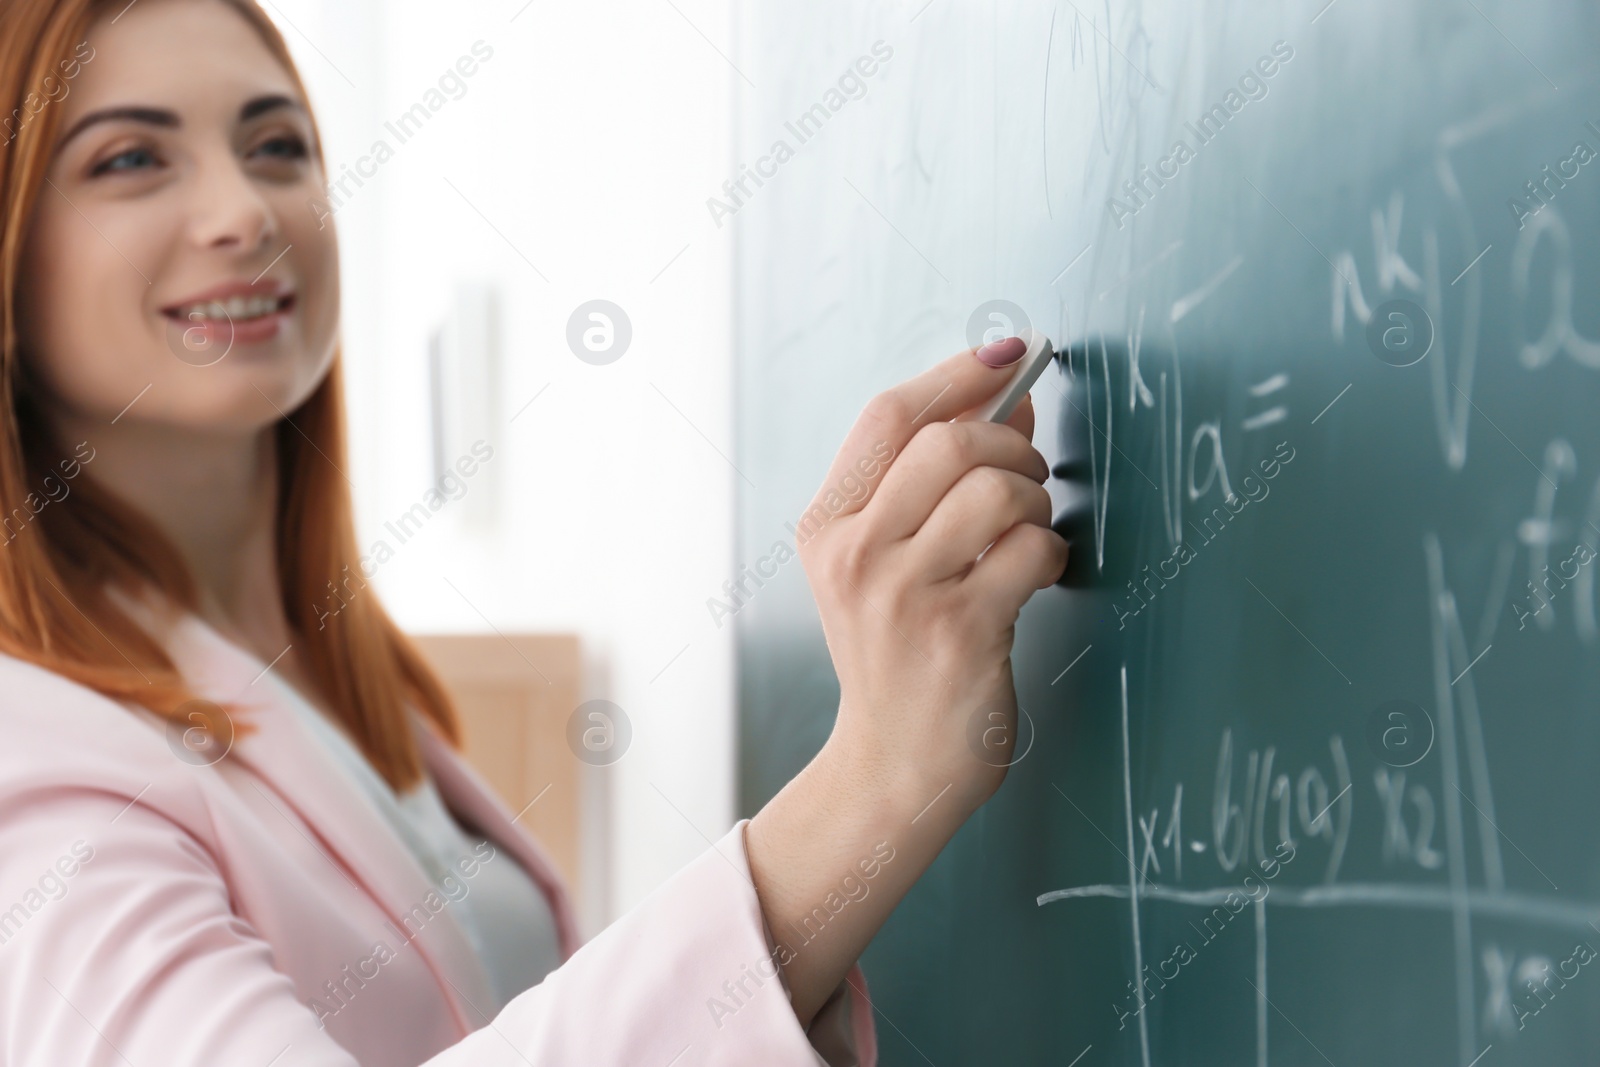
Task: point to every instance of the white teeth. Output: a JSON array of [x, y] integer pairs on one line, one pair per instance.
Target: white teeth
[[235, 309]]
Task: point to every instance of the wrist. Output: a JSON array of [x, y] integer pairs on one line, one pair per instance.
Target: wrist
[[905, 782]]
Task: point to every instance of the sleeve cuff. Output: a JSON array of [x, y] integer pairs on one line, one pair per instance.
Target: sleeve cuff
[[842, 1031], [691, 973]]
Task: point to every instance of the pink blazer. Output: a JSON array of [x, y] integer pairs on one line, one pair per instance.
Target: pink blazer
[[257, 912]]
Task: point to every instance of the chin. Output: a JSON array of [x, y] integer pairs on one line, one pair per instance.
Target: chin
[[246, 396]]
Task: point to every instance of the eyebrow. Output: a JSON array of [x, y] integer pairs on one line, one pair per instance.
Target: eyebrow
[[155, 116]]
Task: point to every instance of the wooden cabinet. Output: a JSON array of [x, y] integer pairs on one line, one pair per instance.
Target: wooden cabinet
[[514, 694]]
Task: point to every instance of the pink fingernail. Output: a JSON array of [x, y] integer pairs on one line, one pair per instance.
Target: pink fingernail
[[1003, 353]]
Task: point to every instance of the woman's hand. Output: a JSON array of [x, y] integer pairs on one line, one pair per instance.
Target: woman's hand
[[920, 629]]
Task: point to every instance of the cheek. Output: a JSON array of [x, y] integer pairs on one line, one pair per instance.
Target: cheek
[[84, 312], [315, 259]]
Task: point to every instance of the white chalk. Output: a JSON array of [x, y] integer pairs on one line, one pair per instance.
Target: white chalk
[[1024, 372]]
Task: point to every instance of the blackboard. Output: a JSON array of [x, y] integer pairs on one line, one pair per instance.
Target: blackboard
[[1313, 731]]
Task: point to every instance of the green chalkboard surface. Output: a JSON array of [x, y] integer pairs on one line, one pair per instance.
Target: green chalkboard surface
[[1312, 730]]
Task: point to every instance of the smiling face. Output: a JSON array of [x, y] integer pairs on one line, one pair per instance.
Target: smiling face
[[173, 257]]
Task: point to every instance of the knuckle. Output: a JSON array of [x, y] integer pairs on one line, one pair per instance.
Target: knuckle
[[848, 561], [890, 409], [948, 443], [993, 490]]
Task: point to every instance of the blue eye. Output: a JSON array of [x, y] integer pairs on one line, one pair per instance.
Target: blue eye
[[132, 158]]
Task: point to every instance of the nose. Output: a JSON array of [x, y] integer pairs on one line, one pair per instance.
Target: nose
[[228, 211]]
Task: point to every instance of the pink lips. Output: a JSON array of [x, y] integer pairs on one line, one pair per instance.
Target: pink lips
[[225, 332]]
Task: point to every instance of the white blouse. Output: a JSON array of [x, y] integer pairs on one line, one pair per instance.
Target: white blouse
[[500, 908]]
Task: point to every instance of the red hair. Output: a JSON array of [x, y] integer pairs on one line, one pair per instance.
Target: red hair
[[54, 610]]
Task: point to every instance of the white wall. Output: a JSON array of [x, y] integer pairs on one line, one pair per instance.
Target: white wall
[[589, 140]]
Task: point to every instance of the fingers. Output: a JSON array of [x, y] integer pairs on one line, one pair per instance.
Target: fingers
[[936, 459], [892, 418], [982, 506], [1026, 558], [1021, 420]]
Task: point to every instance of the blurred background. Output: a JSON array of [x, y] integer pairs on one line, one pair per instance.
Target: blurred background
[[604, 335], [476, 213]]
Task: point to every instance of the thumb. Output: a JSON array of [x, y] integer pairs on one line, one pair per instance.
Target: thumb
[[940, 393]]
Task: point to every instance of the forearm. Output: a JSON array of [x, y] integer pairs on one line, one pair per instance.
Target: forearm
[[836, 850], [919, 583]]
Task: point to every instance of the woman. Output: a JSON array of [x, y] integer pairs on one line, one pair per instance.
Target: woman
[[231, 835]]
